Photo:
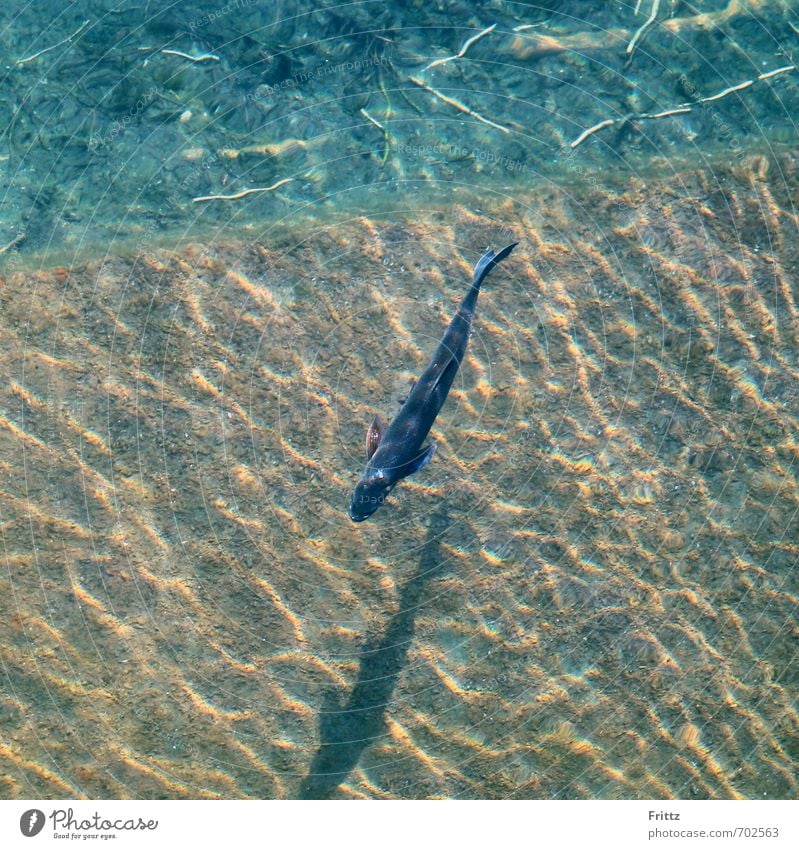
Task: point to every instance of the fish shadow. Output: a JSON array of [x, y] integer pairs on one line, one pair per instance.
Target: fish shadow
[[346, 729]]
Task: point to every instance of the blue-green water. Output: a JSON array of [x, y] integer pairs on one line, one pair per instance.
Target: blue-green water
[[232, 233]]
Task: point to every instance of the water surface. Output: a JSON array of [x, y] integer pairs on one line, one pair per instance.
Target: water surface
[[589, 593]]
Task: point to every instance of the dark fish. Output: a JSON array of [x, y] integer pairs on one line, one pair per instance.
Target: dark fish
[[396, 451]]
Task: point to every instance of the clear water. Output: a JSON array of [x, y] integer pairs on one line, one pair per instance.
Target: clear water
[[590, 592]]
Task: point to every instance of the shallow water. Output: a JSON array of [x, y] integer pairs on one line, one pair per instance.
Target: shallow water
[[589, 593]]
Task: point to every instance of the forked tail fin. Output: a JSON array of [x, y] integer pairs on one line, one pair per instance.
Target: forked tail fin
[[486, 262]]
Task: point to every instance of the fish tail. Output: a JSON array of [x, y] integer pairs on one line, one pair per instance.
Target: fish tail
[[486, 262]]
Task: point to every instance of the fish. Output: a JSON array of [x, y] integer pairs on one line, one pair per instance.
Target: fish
[[398, 451]]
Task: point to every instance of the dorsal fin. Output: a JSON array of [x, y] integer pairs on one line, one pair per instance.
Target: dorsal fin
[[452, 365]]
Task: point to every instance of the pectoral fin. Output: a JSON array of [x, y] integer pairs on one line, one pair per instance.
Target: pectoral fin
[[419, 462], [373, 436]]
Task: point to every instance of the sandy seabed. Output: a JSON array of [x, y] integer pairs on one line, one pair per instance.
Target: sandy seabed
[[589, 593]]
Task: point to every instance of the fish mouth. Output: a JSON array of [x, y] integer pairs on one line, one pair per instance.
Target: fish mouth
[[358, 517]]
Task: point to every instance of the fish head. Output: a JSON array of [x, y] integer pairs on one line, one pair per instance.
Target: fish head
[[370, 494]]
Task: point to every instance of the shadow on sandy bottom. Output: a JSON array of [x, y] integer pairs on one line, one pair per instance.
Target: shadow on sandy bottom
[[346, 731]]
